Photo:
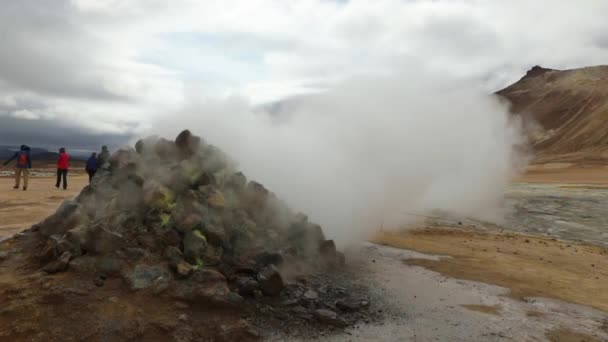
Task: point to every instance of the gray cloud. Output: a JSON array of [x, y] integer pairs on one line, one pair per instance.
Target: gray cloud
[[111, 67], [53, 134], [46, 50]]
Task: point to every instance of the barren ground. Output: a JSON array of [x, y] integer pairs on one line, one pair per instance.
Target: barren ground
[[20, 209]]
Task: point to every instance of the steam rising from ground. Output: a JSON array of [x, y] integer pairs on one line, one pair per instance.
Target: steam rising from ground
[[357, 156]]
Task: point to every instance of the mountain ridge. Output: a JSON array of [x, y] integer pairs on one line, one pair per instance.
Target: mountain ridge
[[568, 110]]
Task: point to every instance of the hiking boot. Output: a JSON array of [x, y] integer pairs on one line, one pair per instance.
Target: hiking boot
[[24, 188], [16, 187]]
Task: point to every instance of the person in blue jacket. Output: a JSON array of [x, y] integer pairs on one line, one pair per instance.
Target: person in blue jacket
[[92, 166], [24, 164]]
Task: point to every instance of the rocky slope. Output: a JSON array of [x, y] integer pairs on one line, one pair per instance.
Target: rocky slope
[[569, 112], [173, 235]]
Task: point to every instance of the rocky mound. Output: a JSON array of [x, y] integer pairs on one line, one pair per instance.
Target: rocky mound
[[568, 109], [176, 220]]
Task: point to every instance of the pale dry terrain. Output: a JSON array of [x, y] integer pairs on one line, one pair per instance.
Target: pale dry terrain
[[20, 209]]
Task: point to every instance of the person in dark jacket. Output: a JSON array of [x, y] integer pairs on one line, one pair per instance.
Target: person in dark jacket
[[24, 164], [63, 165], [92, 166], [103, 157]]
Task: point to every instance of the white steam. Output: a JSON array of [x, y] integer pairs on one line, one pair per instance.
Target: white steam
[[362, 153]]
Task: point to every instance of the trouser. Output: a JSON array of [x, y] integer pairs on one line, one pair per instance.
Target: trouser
[[91, 174], [62, 173], [26, 175]]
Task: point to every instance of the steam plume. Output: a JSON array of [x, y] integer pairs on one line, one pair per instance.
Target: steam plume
[[358, 155]]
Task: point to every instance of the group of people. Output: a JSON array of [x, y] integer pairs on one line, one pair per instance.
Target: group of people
[[23, 165]]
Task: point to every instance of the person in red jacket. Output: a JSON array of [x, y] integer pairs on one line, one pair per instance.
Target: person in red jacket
[[63, 164]]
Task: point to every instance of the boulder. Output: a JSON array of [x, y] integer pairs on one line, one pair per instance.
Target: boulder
[[331, 257], [83, 264], [311, 295], [102, 241], [4, 256], [271, 281], [237, 182], [59, 265], [329, 317], [214, 197], [246, 286], [187, 144], [215, 235], [173, 254], [269, 258], [195, 245], [351, 305], [48, 251], [108, 266], [64, 219], [214, 294], [165, 149], [241, 331], [144, 276], [183, 269], [207, 275]]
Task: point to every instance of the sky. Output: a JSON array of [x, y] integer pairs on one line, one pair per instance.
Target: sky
[[82, 73]]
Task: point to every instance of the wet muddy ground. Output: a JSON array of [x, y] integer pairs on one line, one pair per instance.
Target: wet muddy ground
[[565, 211]]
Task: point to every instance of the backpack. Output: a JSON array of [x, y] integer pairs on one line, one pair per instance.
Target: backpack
[[22, 159]]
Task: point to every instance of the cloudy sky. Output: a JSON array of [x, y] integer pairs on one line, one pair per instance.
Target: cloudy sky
[[82, 72]]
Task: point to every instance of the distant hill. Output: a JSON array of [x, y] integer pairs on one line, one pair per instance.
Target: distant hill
[[41, 154], [571, 110]]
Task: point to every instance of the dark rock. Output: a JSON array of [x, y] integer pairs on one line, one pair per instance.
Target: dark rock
[[135, 253], [59, 265], [329, 317], [64, 219], [109, 266], [290, 302], [187, 144], [311, 295], [215, 294], [266, 258], [237, 182], [215, 235], [147, 242], [48, 252], [241, 331], [204, 179], [271, 281], [351, 305], [171, 238], [327, 249], [121, 159], [340, 259], [207, 275], [184, 269], [174, 255], [102, 241], [246, 286], [64, 245], [99, 281], [143, 277], [83, 264], [4, 256], [165, 149], [139, 146], [195, 245]]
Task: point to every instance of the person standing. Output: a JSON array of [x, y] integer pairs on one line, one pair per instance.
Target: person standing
[[103, 157], [24, 164], [92, 166], [63, 164]]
